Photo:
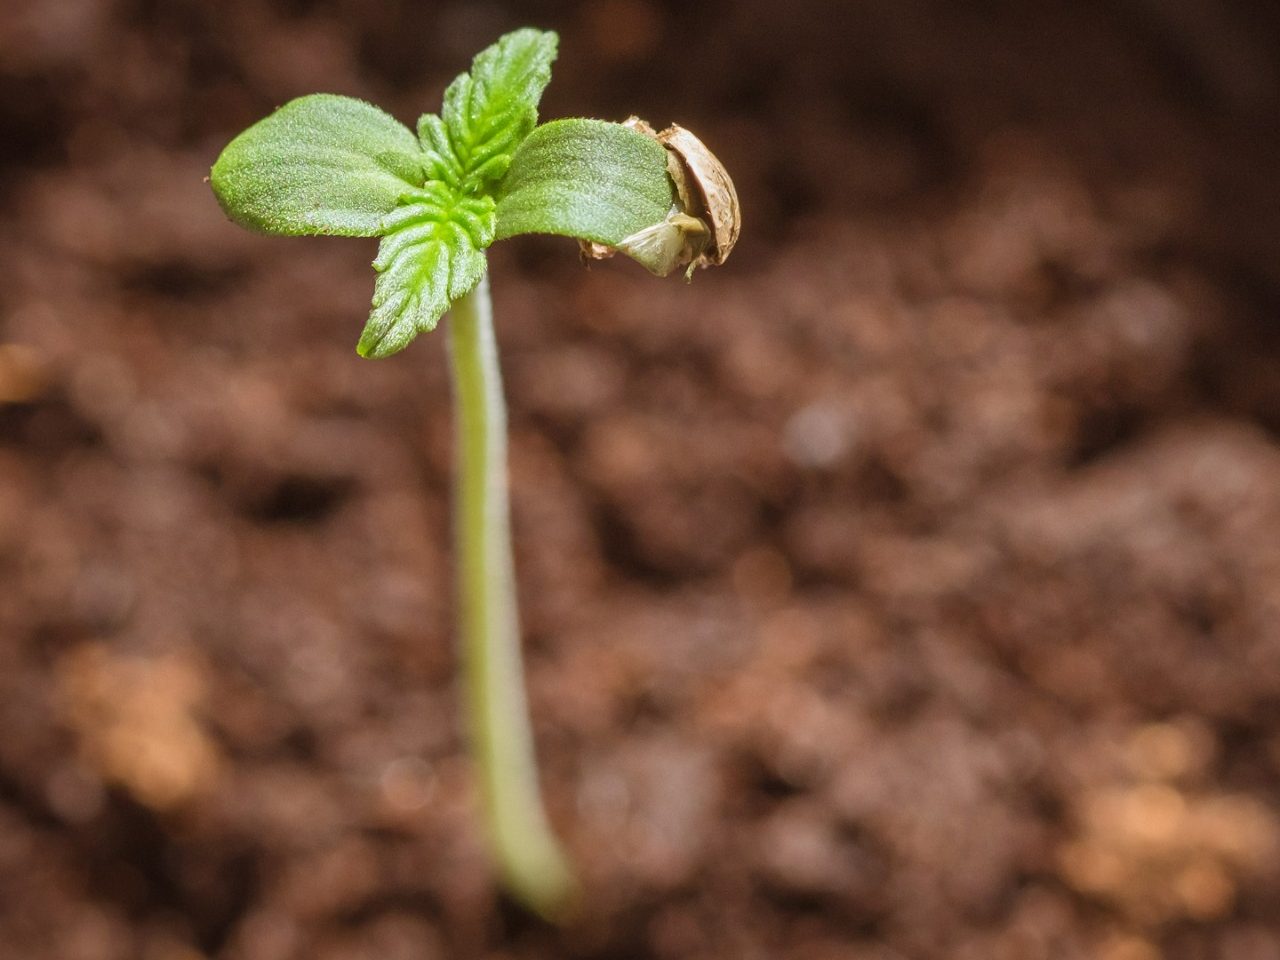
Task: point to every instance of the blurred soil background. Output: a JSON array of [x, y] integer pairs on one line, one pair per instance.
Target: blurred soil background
[[907, 588]]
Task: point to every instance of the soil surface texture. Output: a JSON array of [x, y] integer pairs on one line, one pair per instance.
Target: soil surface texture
[[906, 589]]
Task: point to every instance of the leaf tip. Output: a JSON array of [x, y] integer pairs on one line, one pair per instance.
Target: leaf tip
[[380, 345]]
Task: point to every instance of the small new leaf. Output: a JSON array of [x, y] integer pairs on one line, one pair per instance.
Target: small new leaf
[[321, 164], [431, 254], [489, 111]]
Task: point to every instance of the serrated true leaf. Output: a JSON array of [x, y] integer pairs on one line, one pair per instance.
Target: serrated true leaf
[[321, 164], [489, 111], [432, 252], [588, 179]]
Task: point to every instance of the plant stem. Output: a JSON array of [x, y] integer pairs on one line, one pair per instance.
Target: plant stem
[[527, 854]]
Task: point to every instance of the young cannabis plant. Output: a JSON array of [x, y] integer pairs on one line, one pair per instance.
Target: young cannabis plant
[[481, 170]]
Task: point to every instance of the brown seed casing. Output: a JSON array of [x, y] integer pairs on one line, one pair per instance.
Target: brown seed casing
[[716, 198], [701, 230]]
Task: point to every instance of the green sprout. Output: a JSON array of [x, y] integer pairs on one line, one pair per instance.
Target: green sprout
[[481, 170]]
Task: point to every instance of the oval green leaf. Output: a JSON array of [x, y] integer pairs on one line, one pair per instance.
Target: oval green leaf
[[322, 164], [587, 179]]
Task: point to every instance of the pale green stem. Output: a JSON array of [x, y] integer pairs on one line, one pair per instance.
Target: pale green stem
[[526, 852]]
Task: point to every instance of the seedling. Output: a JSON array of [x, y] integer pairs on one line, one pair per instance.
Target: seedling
[[481, 170]]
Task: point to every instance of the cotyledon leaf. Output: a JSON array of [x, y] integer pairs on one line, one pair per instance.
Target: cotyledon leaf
[[588, 179], [321, 164]]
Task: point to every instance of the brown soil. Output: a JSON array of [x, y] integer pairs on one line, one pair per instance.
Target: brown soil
[[907, 588]]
